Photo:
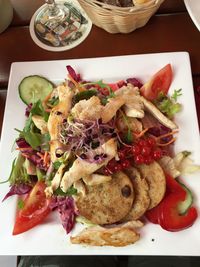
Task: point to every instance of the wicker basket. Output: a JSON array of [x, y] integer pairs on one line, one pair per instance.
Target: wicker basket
[[115, 19]]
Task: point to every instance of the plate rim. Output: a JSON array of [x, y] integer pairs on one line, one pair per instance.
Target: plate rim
[[15, 65]]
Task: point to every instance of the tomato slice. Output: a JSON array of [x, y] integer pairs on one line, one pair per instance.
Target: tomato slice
[[114, 86], [36, 208], [160, 82]]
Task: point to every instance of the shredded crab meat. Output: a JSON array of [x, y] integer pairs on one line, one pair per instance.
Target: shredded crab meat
[[57, 115], [116, 235], [95, 179], [80, 187], [110, 109], [55, 182], [82, 168], [90, 109], [133, 106], [158, 114], [127, 96]]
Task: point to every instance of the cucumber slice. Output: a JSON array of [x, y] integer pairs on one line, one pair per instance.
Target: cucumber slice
[[187, 203], [34, 88]]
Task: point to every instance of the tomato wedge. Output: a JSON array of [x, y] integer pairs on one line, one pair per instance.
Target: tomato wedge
[[36, 208], [160, 82]]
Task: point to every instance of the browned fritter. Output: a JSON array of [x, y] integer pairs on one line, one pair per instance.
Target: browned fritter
[[108, 202], [155, 177], [142, 200]]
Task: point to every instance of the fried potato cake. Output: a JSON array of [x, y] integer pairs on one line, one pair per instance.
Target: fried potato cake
[[142, 199], [108, 202], [155, 177]]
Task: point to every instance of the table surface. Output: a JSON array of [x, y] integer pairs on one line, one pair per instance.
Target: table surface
[[170, 29], [164, 32]]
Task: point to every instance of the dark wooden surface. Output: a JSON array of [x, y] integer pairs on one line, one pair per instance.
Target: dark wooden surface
[[170, 29], [24, 9]]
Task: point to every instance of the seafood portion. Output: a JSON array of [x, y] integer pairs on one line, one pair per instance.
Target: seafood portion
[[102, 155]]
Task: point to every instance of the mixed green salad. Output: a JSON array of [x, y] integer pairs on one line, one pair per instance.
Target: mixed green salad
[[80, 135]]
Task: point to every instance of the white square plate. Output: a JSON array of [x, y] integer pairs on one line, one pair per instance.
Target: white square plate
[[49, 238]]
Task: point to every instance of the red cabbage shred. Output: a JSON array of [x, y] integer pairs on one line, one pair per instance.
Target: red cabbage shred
[[18, 189], [66, 209]]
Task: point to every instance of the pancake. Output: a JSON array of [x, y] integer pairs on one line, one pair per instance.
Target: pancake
[[142, 199], [108, 202], [155, 177]]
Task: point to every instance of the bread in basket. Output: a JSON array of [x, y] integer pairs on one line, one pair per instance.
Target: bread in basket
[[118, 19]]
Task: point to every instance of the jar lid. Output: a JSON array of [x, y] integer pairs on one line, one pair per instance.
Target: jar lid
[[55, 36]]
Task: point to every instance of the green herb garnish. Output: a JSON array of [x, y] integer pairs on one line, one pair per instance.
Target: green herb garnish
[[40, 175], [85, 95], [20, 204], [52, 102], [33, 137], [71, 191], [168, 105], [128, 136], [57, 164], [38, 109], [19, 173], [176, 94]]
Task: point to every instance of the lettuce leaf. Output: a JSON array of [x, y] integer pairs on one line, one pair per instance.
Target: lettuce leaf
[[169, 105]]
